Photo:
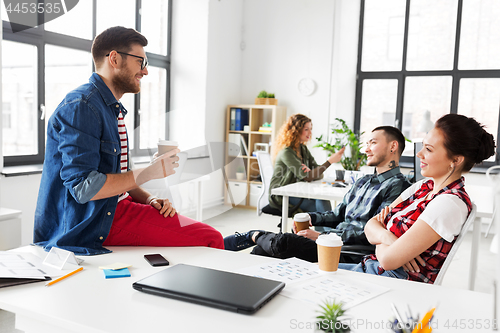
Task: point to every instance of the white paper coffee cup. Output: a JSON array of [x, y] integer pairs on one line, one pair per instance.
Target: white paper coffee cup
[[301, 221], [329, 247], [166, 146]]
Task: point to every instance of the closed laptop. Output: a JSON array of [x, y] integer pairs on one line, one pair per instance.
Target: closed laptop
[[219, 289]]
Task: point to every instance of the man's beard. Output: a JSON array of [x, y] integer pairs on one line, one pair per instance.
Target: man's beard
[[124, 82], [376, 161]]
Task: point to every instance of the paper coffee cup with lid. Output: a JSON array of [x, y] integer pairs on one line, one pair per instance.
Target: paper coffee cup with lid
[[301, 221], [166, 146], [329, 247]]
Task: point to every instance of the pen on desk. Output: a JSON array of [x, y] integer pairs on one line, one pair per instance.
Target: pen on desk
[[422, 325], [63, 277], [399, 318]]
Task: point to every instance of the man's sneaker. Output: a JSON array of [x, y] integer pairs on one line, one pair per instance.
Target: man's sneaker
[[240, 241]]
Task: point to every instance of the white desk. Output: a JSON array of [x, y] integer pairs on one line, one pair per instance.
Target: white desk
[[308, 190], [86, 302]]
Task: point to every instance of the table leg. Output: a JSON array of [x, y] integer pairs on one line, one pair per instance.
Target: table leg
[[284, 214], [474, 251], [199, 209]]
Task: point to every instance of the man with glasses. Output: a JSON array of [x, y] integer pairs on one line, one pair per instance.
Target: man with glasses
[[89, 197]]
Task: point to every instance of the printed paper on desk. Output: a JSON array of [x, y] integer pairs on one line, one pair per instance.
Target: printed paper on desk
[[24, 265], [290, 270], [329, 287]]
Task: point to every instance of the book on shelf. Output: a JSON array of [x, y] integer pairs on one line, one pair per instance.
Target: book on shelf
[[244, 145], [265, 129], [234, 146], [232, 119], [241, 119]]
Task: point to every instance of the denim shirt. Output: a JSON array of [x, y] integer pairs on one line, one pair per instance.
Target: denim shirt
[[83, 145]]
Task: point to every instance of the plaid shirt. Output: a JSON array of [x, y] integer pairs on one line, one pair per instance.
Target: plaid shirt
[[437, 253], [366, 198]]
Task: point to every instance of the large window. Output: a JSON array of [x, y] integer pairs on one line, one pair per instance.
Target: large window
[[42, 64], [428, 57]]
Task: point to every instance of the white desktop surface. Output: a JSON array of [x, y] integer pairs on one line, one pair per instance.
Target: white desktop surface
[[315, 190], [309, 190], [86, 302]]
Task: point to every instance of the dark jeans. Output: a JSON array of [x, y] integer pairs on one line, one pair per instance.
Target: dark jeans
[[285, 246], [289, 245]]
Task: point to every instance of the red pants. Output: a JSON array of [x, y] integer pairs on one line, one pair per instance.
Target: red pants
[[137, 224]]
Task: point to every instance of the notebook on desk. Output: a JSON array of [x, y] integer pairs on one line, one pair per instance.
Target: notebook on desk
[[219, 289]]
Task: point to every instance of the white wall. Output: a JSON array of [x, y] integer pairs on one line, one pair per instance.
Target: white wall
[[287, 40], [206, 66], [224, 64], [189, 72], [20, 193], [345, 53]]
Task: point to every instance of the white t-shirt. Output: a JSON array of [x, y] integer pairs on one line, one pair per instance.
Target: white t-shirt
[[445, 214]]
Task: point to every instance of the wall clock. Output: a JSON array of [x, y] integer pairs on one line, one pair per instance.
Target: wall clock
[[307, 86]]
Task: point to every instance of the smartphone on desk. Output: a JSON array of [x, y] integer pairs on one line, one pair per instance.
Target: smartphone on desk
[[156, 260]]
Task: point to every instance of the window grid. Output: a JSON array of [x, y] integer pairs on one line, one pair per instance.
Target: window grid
[[40, 37], [402, 75]]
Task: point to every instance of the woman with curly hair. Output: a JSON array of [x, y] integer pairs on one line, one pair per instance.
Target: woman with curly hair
[[293, 162]]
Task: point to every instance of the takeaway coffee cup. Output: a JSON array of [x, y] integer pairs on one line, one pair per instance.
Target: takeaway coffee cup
[[329, 252], [301, 221], [166, 146]]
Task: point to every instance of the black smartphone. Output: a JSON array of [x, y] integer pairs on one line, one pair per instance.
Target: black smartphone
[[156, 260]]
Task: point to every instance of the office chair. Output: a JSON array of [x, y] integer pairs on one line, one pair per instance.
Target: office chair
[[266, 173], [454, 249]]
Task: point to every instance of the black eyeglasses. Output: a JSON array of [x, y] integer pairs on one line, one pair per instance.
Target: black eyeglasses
[[144, 62]]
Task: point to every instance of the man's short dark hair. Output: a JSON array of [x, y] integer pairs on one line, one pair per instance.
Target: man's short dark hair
[[393, 134], [115, 38]]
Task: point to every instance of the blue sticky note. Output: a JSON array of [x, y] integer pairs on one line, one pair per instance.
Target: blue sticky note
[[118, 273]]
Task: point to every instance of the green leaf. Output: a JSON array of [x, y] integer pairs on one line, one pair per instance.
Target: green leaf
[[330, 313], [262, 94], [343, 135]]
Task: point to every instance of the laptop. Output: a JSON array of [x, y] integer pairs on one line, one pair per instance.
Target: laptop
[[219, 289]]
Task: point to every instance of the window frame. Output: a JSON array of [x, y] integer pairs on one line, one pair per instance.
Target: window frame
[[39, 37], [455, 73]]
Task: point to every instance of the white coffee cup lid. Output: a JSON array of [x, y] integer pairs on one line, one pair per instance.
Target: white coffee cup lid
[[167, 143], [301, 217], [331, 239]]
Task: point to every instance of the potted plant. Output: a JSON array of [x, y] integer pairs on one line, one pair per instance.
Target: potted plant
[[240, 172], [329, 319], [264, 98], [353, 158]]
